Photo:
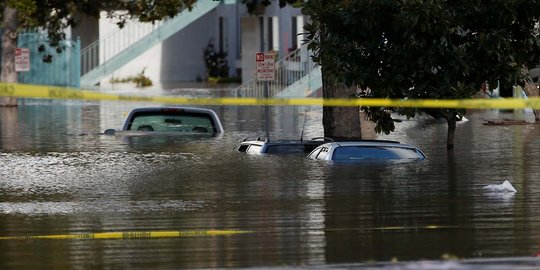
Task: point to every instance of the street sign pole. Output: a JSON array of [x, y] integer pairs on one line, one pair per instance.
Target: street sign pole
[[265, 65], [267, 112]]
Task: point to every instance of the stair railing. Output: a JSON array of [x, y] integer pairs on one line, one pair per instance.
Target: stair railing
[[289, 69], [113, 43]]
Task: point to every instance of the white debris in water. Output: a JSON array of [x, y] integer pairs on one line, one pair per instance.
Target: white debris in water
[[529, 116], [505, 187]]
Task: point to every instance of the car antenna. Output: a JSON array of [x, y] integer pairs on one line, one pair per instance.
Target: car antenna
[[267, 122], [266, 113], [303, 126]]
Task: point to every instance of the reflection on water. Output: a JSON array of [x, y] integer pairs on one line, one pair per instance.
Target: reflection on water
[[92, 207], [59, 175]]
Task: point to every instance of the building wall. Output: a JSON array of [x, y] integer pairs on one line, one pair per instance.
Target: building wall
[[86, 29], [50, 65], [182, 54], [149, 61], [251, 44]]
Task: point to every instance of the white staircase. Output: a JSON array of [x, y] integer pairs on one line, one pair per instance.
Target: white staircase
[[110, 53]]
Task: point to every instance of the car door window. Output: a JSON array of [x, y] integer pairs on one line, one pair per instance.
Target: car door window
[[242, 147], [314, 153]]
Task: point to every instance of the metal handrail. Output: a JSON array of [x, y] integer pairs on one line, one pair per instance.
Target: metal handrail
[[115, 42], [289, 69]]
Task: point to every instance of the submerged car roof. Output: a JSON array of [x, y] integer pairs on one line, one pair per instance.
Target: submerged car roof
[[320, 140], [306, 144], [370, 143], [367, 143], [173, 108]]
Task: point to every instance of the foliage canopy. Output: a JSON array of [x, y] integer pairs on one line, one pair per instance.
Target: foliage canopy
[[252, 4], [424, 49]]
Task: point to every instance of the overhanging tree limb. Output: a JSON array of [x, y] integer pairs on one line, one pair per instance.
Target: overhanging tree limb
[[424, 49]]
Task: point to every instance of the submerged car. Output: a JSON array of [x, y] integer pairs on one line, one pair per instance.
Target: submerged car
[[300, 147], [366, 150], [171, 120]]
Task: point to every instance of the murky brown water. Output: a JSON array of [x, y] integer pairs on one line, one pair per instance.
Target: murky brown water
[[58, 175]]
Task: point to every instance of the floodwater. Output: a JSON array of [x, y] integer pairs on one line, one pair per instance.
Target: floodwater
[[60, 176]]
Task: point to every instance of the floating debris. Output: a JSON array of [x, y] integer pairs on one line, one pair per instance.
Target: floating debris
[[505, 187]]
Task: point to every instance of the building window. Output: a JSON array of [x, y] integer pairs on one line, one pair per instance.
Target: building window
[[294, 31], [223, 37], [261, 35], [270, 33]]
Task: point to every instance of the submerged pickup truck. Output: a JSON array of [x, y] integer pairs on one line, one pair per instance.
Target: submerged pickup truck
[[170, 120]]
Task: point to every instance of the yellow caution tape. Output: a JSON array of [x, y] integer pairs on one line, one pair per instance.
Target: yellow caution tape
[[51, 92], [174, 234], [403, 228], [128, 235]]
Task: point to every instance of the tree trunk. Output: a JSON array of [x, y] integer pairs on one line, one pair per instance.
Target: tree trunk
[[451, 120], [9, 44], [340, 122]]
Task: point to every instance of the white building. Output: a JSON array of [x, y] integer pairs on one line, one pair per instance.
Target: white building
[[179, 58]]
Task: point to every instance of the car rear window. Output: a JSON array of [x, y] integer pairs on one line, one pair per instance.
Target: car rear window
[[375, 152], [286, 148], [177, 121]]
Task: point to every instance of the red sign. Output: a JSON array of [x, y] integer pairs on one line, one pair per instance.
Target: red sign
[[265, 65]]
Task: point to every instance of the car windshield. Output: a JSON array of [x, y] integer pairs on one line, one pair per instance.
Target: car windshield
[[375, 152], [254, 149], [184, 122]]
